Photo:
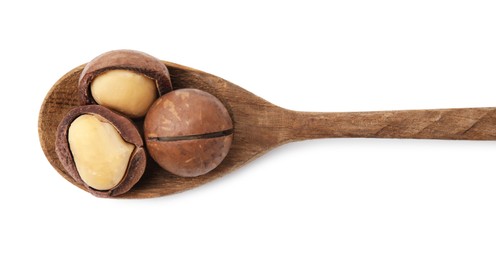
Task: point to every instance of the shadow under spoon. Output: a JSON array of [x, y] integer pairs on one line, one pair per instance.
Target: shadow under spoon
[[260, 126]]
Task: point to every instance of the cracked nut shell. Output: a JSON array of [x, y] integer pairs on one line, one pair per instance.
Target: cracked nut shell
[[135, 61], [188, 132], [124, 127]]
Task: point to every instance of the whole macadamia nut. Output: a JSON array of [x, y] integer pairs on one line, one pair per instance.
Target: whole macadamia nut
[[125, 81], [188, 132]]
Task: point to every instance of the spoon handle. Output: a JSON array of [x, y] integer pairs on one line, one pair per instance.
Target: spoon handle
[[455, 124]]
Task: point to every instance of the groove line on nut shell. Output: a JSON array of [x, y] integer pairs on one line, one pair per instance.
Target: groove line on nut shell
[[191, 137]]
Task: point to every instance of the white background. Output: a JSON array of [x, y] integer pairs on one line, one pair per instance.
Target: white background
[[322, 199]]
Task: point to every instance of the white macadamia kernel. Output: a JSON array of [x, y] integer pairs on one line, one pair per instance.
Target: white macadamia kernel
[[125, 91], [100, 154]]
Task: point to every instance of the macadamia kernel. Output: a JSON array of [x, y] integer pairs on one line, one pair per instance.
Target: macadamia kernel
[[100, 154], [125, 91]]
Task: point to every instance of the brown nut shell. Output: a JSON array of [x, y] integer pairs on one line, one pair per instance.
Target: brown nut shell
[[188, 132], [139, 62], [127, 130]]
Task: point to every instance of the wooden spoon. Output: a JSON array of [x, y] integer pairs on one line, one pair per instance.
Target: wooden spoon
[[260, 126]]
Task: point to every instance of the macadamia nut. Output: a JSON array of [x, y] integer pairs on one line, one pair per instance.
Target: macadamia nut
[[100, 154], [124, 81], [124, 91], [188, 132]]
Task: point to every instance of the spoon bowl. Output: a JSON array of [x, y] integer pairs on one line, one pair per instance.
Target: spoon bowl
[[248, 112], [260, 126]]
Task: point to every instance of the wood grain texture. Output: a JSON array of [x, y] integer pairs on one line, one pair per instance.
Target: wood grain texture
[[450, 124], [260, 126]]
